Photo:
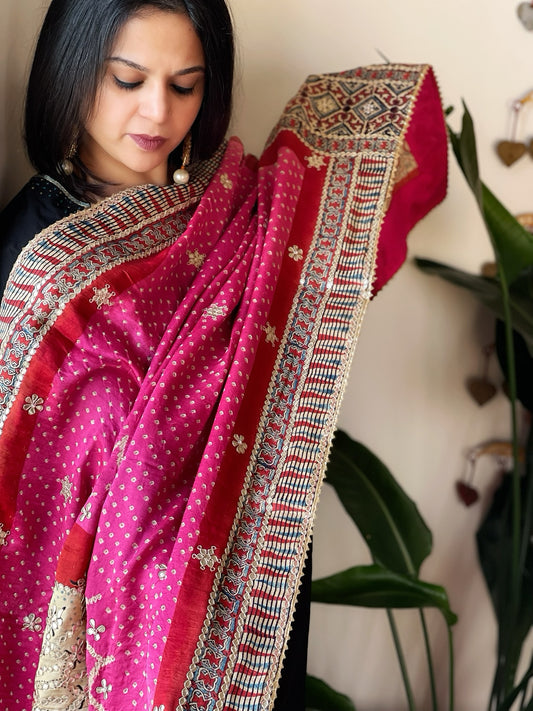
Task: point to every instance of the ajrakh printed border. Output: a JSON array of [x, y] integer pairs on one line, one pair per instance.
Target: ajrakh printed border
[[298, 420], [34, 279]]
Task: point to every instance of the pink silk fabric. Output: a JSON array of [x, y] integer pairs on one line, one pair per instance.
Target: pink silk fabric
[[171, 365], [145, 401]]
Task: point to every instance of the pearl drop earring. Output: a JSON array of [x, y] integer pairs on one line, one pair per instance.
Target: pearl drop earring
[[66, 165], [181, 176]]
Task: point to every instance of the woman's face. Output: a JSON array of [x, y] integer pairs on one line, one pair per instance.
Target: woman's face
[[148, 100]]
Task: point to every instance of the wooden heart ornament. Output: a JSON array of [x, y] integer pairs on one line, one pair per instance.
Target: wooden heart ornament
[[468, 494], [525, 13], [481, 389], [510, 151]]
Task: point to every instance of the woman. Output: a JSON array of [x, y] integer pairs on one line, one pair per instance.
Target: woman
[[74, 75], [172, 356]]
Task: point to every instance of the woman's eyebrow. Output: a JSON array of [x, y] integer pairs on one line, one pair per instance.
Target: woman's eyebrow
[[140, 68]]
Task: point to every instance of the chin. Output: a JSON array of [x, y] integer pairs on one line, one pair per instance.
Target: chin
[[144, 167]]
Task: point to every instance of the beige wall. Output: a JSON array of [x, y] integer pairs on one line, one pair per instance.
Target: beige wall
[[19, 21], [421, 338]]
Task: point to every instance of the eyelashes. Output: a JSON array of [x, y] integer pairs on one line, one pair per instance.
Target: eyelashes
[[184, 91], [131, 85], [127, 85]]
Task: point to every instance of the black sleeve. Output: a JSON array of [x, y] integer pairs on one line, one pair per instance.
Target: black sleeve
[[39, 204]]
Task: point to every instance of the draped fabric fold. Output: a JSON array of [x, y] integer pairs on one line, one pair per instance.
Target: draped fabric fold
[[172, 362]]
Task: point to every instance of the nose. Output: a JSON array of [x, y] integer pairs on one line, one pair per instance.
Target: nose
[[155, 103]]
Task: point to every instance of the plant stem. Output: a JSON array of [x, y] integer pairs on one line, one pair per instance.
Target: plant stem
[[516, 509], [429, 660], [451, 680], [401, 661], [523, 700], [528, 514], [521, 687]]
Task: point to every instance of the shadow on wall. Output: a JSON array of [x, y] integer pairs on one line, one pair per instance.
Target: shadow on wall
[[19, 24]]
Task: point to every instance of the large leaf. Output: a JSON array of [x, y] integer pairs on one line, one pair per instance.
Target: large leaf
[[523, 364], [388, 519], [375, 586], [512, 243], [321, 697], [494, 540], [489, 292], [464, 148], [520, 688]]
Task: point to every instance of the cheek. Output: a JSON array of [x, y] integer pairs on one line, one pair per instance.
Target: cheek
[[113, 111], [184, 116]]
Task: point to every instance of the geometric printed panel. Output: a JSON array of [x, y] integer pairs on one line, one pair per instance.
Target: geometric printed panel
[[370, 108], [335, 113], [325, 105]]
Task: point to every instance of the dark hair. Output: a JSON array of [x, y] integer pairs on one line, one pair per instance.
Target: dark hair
[[68, 66]]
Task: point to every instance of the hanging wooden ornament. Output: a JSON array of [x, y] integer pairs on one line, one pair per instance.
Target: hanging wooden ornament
[[512, 150], [479, 386], [526, 219], [464, 488], [525, 13], [501, 451]]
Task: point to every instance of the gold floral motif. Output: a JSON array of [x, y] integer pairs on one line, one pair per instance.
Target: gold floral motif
[[120, 446], [33, 404], [66, 489], [32, 623], [296, 253], [3, 535], [94, 630], [214, 311], [104, 688], [102, 297], [196, 258], [239, 443], [270, 334], [226, 181], [85, 512], [207, 558], [315, 161]]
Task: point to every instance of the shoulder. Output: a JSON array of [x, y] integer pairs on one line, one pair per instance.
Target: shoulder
[[40, 203]]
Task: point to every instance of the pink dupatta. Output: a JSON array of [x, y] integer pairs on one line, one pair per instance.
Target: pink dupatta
[[172, 363]]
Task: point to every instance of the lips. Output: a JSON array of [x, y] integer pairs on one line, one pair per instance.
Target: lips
[[147, 143]]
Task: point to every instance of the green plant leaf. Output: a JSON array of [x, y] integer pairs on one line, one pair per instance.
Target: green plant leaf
[[464, 148], [512, 243], [375, 586], [489, 292], [388, 519], [519, 689], [494, 540], [319, 696]]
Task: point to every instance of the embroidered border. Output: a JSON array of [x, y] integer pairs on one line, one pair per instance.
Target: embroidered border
[[61, 679], [80, 253], [364, 109], [233, 669]]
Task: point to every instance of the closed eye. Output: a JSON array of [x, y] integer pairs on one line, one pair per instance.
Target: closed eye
[[128, 85], [182, 89]]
